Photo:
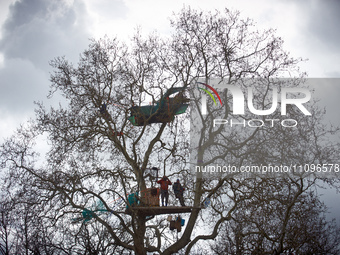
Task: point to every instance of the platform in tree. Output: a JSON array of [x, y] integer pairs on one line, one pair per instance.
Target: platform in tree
[[156, 210]]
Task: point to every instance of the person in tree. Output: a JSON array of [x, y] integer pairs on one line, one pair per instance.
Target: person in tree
[[102, 109], [164, 182], [179, 189]]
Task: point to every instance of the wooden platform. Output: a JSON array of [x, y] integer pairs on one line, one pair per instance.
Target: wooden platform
[[156, 210]]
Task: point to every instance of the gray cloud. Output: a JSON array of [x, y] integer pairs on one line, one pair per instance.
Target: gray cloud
[[35, 32], [318, 19], [320, 35], [324, 23], [21, 83], [39, 30]]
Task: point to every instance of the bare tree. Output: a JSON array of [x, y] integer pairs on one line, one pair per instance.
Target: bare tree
[[5, 228], [287, 219], [100, 152]]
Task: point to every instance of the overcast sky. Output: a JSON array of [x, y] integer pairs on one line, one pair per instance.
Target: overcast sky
[[35, 31]]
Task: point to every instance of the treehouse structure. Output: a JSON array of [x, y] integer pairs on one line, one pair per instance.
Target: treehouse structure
[[163, 111], [147, 204], [156, 210]]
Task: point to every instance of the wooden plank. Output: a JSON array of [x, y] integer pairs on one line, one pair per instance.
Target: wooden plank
[[148, 211]]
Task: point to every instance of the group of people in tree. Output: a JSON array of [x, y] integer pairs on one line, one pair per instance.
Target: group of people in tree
[[177, 188]]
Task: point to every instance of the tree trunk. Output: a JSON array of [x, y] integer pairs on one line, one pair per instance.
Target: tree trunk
[[139, 235]]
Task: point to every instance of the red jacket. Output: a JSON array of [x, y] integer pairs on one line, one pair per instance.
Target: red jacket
[[164, 183]]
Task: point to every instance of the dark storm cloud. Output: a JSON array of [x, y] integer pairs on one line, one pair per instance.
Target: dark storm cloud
[[35, 32]]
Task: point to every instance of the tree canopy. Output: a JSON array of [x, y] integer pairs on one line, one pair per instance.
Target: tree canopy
[[73, 198]]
